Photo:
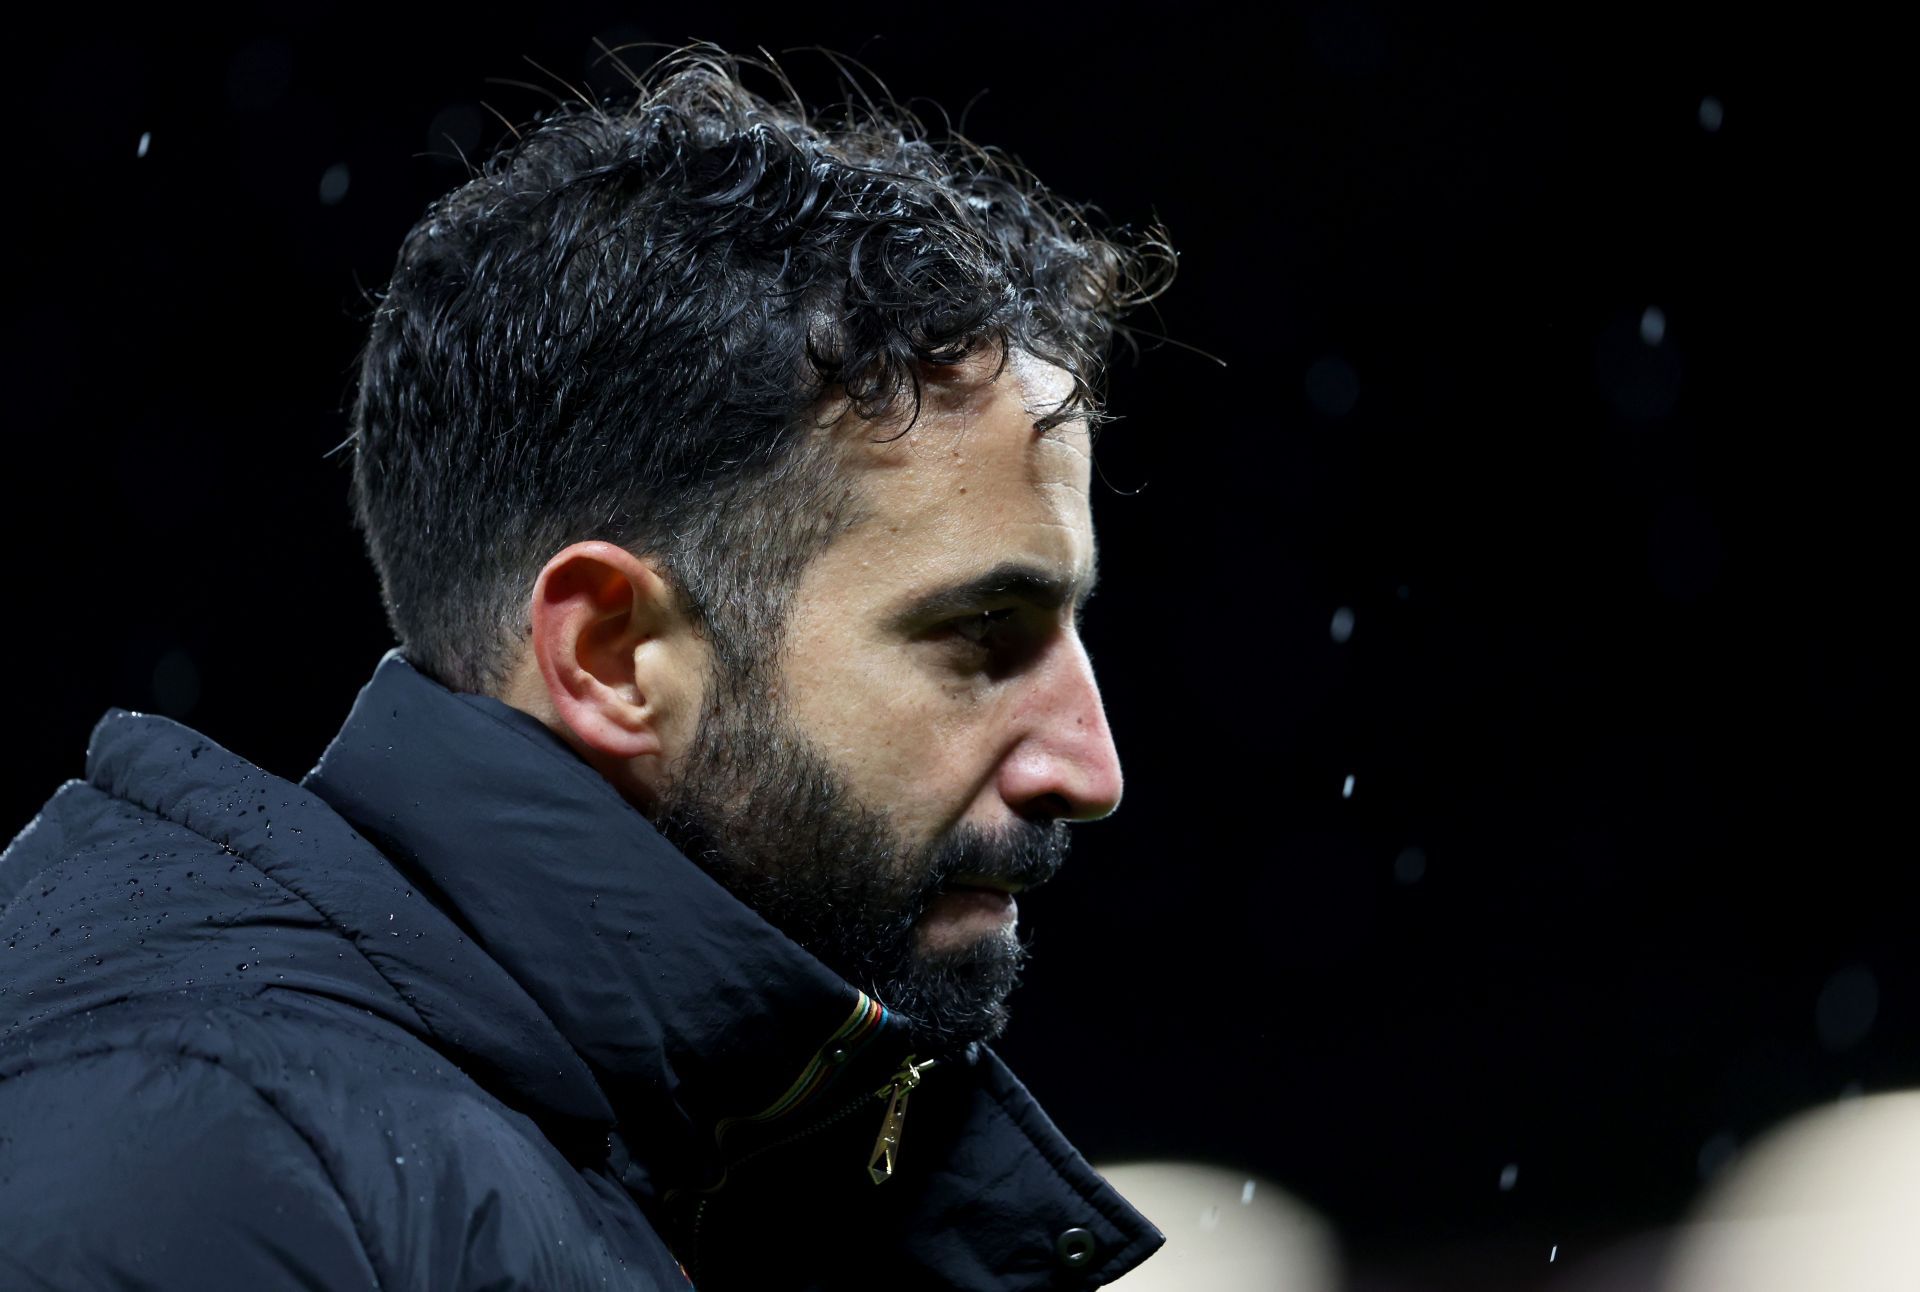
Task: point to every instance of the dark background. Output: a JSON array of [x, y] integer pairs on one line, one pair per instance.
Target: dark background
[[1624, 876]]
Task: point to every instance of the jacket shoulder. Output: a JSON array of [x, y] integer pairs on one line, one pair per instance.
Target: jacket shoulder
[[128, 1168], [324, 1138]]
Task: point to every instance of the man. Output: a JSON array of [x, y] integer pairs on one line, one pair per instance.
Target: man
[[727, 476]]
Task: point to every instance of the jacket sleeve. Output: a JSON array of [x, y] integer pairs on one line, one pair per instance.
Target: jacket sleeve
[[129, 1170]]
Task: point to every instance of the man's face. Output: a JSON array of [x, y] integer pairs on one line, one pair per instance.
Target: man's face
[[931, 721]]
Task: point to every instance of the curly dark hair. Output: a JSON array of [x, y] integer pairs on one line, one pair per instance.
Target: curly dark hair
[[619, 326]]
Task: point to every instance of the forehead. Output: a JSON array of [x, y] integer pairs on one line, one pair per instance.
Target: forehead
[[974, 458], [970, 485]]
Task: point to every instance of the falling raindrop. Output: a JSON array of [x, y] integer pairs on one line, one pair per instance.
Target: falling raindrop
[[1712, 114], [146, 140], [1641, 380], [1653, 325], [1346, 788], [1246, 1193], [1509, 1176], [1342, 626]]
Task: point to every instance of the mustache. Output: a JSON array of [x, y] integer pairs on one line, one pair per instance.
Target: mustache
[[1026, 854]]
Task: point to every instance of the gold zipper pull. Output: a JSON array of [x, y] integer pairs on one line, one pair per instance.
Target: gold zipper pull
[[887, 1144]]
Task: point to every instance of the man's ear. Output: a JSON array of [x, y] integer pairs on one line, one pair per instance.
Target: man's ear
[[621, 667]]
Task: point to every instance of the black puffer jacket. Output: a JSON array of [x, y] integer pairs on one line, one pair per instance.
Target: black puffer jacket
[[452, 1015]]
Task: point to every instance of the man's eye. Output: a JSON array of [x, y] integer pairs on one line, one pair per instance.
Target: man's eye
[[978, 628]]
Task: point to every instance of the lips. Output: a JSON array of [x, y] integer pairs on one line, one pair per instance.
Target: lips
[[963, 905]]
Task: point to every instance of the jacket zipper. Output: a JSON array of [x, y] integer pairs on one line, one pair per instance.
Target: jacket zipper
[[886, 1145]]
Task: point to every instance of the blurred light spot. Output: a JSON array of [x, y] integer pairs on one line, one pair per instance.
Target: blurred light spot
[[1410, 865], [1509, 1176], [1715, 1154], [455, 129], [333, 184], [1271, 1242], [1553, 1254], [1845, 1011], [1346, 789], [1653, 324], [1342, 627], [1823, 1202], [176, 684], [259, 74], [1332, 387], [1712, 113], [146, 140]]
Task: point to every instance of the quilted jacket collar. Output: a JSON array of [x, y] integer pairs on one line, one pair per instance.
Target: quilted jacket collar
[[690, 1010]]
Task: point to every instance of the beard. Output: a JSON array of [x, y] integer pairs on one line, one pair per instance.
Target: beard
[[757, 806]]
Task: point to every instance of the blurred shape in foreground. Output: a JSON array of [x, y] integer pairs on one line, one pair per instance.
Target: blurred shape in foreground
[[1226, 1231], [1830, 1200]]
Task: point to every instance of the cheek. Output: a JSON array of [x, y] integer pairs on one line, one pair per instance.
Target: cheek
[[899, 735], [906, 738], [855, 709]]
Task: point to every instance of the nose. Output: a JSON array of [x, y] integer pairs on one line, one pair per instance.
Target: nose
[[1064, 766]]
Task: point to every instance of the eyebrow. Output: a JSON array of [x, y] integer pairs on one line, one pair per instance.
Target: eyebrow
[[1036, 585]]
